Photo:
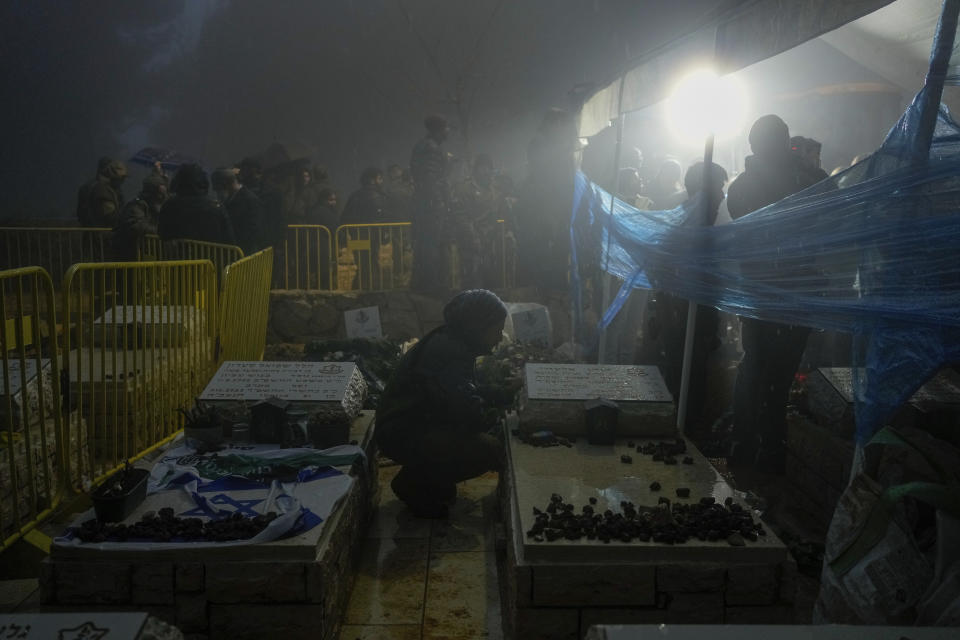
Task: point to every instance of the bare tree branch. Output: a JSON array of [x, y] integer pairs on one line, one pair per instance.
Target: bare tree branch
[[428, 52], [478, 47]]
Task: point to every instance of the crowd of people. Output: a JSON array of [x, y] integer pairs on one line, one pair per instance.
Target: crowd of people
[[778, 167], [452, 204]]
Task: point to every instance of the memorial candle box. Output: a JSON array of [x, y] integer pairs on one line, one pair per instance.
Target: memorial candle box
[[553, 397], [830, 400], [331, 392]]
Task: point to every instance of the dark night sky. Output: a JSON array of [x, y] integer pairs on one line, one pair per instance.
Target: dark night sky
[[344, 81]]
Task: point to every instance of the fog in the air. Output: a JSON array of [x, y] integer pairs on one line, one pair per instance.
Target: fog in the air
[[343, 82]]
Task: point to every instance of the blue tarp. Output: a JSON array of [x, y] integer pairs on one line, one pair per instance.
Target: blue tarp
[[874, 251]]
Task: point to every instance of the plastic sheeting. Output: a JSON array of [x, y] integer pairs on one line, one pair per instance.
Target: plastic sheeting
[[872, 251]]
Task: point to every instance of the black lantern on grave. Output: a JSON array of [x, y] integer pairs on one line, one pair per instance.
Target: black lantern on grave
[[602, 418], [268, 419]]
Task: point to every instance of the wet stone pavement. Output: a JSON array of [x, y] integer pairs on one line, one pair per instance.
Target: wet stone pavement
[[426, 579]]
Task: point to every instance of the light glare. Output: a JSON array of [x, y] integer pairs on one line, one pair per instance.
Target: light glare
[[704, 103]]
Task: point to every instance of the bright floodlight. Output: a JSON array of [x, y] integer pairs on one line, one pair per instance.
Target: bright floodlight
[[704, 103]]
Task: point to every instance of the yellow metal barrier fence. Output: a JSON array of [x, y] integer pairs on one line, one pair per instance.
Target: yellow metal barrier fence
[[380, 257], [53, 248], [374, 256], [244, 306], [140, 345], [151, 248], [307, 258], [32, 477], [220, 255]]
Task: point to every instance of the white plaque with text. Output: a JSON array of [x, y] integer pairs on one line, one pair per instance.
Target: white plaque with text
[[634, 383], [290, 381]]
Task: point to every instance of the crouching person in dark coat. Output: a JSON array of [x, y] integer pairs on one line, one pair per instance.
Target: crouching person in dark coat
[[431, 418]]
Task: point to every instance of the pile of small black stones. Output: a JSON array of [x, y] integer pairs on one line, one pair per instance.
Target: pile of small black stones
[[666, 523], [165, 527], [665, 452]]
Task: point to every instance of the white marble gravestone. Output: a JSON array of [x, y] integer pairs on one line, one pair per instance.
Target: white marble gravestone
[[147, 325], [553, 397], [13, 367], [13, 374], [830, 398], [333, 391]]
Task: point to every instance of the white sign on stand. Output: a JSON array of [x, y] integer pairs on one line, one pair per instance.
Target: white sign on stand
[[532, 326], [529, 322], [363, 323]]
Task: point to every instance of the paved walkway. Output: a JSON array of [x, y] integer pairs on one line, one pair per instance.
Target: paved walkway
[[428, 578]]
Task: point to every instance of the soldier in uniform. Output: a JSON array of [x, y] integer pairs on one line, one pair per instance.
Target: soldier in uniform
[[477, 207], [100, 201], [139, 218]]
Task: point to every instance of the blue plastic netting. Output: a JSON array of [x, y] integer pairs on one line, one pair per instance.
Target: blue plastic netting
[[872, 251]]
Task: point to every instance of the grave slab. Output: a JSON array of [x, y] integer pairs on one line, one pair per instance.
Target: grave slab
[[782, 632], [333, 391], [212, 587], [623, 582], [587, 471], [553, 397]]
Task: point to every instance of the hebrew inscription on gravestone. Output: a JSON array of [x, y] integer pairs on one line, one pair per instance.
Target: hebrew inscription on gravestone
[[636, 383], [290, 381]]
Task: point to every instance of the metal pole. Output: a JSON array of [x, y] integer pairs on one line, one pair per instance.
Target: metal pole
[[939, 65], [602, 348], [688, 339]]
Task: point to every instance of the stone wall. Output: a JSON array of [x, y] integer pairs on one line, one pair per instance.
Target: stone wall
[[302, 316], [819, 464]]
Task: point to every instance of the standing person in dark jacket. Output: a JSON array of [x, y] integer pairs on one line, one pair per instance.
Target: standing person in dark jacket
[[243, 208], [771, 351], [368, 204], [431, 418], [272, 224], [139, 218], [666, 191], [326, 212], [672, 310], [191, 214], [431, 206]]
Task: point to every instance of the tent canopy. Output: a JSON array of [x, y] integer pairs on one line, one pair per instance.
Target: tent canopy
[[892, 39]]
